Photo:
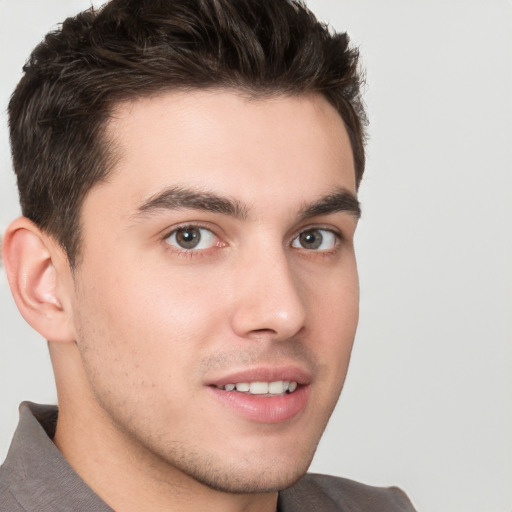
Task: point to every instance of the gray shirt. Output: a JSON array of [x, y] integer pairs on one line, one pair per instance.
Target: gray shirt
[[35, 477]]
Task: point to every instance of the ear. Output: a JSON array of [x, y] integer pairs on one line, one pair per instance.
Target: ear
[[40, 279]]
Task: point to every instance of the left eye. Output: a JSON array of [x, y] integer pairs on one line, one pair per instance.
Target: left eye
[[192, 237], [315, 240]]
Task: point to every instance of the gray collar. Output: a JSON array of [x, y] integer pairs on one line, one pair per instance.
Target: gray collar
[[36, 474]]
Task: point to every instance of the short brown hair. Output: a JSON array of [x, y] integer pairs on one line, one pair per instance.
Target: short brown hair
[[132, 48]]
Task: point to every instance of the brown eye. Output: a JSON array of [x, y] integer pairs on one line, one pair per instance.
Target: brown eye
[[315, 240], [311, 239], [188, 238], [191, 237]]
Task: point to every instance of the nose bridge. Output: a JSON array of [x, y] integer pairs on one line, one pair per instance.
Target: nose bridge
[[268, 298]]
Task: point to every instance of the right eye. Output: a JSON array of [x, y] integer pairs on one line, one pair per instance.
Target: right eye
[[192, 238]]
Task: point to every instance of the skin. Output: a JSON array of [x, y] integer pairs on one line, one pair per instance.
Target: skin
[[151, 325]]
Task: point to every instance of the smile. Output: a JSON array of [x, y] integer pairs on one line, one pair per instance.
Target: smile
[[275, 388]]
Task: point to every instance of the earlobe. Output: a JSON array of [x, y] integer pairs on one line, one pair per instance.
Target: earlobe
[[34, 274]]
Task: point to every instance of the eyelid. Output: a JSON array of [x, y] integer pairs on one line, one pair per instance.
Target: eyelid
[[191, 225], [187, 225], [336, 232]]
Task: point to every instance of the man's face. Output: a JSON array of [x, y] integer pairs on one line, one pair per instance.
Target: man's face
[[219, 253]]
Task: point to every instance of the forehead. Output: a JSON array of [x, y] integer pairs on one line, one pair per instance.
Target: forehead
[[279, 147]]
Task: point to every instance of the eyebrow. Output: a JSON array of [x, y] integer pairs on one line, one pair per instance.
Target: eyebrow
[[177, 198], [339, 201]]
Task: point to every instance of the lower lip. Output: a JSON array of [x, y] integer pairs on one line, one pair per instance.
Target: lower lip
[[264, 408]]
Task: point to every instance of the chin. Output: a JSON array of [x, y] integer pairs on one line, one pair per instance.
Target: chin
[[248, 483], [261, 474]]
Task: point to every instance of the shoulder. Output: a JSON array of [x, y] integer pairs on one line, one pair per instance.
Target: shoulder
[[328, 493]]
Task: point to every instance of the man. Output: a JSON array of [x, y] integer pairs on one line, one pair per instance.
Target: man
[[188, 175]]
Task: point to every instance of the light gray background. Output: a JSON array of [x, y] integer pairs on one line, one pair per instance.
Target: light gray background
[[428, 401]]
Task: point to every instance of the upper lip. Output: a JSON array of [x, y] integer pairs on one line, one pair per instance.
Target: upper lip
[[264, 374]]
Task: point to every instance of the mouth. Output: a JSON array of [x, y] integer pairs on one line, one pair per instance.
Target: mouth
[[264, 395], [261, 388]]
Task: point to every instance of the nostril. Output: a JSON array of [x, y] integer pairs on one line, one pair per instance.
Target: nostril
[[263, 333]]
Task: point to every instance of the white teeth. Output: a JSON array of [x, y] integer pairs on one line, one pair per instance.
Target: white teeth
[[277, 387], [259, 388]]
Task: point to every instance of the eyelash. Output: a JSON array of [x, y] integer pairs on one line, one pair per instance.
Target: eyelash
[[191, 253]]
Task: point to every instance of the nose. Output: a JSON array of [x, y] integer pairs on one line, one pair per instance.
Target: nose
[[267, 299]]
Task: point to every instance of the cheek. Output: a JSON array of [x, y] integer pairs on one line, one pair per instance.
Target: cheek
[[333, 298], [149, 314], [137, 342], [334, 314]]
